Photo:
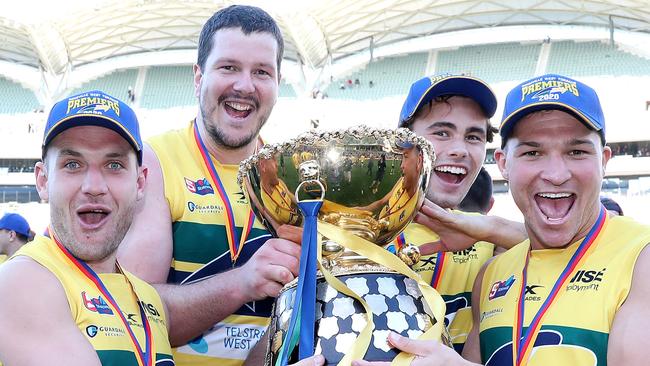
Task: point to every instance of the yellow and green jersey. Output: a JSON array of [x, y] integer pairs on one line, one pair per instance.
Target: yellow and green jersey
[[575, 330], [456, 279], [200, 244], [98, 322]]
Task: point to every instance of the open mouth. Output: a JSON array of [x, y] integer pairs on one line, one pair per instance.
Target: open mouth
[[92, 217], [238, 110], [555, 206], [450, 174]]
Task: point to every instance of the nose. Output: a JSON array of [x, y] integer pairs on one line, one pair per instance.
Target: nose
[[94, 183], [556, 170], [244, 83], [458, 148]]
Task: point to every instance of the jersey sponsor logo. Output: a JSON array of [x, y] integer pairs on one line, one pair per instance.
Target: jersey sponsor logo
[[91, 330], [464, 256], [204, 209], [586, 280], [201, 186], [488, 314], [500, 288], [96, 305], [532, 293]]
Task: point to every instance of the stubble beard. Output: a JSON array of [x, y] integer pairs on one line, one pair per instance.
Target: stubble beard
[[94, 252]]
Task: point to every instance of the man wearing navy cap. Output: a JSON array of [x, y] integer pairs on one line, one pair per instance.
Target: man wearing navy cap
[[575, 292], [453, 113], [14, 233], [69, 283]]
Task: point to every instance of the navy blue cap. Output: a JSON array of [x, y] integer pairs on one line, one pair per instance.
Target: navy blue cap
[[94, 108], [15, 222], [430, 87], [552, 92]]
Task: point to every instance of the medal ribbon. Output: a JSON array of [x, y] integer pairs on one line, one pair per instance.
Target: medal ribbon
[[235, 244], [144, 358], [437, 269], [526, 340]]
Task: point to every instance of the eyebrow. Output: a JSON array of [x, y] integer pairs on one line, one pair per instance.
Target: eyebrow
[[572, 142], [476, 130], [442, 124], [111, 155], [238, 62]]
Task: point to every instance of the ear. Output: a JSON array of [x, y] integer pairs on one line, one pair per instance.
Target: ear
[[141, 182], [197, 79], [500, 157], [40, 171], [607, 154]]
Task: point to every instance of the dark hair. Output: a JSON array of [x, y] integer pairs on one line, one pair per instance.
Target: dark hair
[[490, 130], [611, 205], [249, 18], [479, 195]]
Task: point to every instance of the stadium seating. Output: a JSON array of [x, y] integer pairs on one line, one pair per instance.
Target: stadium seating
[[390, 76], [15, 98], [286, 90], [168, 86], [594, 59], [492, 63], [116, 83]]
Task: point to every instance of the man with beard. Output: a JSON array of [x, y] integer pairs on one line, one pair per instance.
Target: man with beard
[[576, 291], [65, 298], [196, 237]]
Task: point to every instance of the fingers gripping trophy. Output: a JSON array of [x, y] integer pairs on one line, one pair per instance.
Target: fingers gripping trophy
[[353, 287]]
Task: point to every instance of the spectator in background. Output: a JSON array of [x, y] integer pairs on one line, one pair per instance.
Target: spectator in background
[[131, 94], [479, 197], [371, 83], [611, 206], [14, 233]]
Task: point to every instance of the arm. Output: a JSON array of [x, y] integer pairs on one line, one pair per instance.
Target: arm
[[458, 231], [196, 307], [33, 300], [146, 251], [628, 340]]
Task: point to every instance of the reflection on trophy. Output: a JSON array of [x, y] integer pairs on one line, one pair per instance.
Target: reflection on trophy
[[361, 290]]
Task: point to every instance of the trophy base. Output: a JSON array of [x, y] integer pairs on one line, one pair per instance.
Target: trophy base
[[395, 301]]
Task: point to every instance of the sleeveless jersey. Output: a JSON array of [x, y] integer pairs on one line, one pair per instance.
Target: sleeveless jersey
[[459, 271], [575, 330], [200, 245], [95, 319]]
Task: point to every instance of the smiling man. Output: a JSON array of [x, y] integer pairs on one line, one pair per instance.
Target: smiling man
[[576, 292], [453, 113], [65, 299], [196, 237]]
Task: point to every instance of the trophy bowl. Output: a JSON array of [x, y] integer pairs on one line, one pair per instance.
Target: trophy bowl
[[372, 183]]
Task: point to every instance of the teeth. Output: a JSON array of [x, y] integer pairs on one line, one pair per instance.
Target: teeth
[[554, 195], [451, 169], [239, 106]]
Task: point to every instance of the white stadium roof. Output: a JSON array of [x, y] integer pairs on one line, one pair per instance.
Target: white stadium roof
[[51, 45], [74, 33]]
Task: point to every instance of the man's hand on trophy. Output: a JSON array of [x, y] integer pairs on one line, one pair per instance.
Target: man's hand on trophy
[[317, 360], [274, 265], [427, 353], [457, 231]]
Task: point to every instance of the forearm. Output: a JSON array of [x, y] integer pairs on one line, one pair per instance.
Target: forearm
[[194, 308], [509, 233]]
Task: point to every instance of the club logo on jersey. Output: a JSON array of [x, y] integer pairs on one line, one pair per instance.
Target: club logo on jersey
[[500, 288], [201, 186], [96, 305]]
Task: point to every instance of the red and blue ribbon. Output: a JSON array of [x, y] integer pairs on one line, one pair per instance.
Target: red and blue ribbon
[[144, 357], [235, 243], [525, 340]]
